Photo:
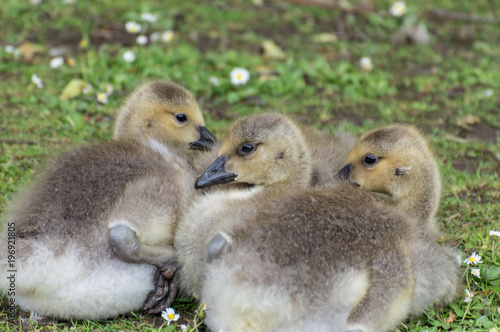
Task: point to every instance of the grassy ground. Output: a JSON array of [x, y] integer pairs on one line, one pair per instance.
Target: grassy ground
[[450, 88]]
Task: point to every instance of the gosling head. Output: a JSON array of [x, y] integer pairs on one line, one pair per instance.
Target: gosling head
[[265, 150], [164, 111], [397, 163]]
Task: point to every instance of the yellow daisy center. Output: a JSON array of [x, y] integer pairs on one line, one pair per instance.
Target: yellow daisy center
[[472, 259], [171, 316]]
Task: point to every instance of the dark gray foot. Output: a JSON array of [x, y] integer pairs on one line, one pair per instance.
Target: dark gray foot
[[164, 292], [127, 247]]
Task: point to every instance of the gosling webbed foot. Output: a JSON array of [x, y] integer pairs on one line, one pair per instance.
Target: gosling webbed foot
[[166, 287], [157, 296], [126, 245]]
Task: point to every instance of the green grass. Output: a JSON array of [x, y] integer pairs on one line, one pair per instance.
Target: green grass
[[434, 87]]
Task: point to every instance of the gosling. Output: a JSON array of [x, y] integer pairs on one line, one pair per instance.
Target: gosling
[[94, 230], [396, 163], [336, 259], [269, 147]]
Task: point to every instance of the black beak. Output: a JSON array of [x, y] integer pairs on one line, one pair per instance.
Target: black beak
[[215, 174], [206, 141], [345, 175]]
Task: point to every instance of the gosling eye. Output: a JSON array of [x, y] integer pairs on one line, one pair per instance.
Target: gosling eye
[[246, 149], [370, 160], [181, 117]]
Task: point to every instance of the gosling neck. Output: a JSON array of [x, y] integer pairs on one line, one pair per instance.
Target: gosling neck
[[423, 200]]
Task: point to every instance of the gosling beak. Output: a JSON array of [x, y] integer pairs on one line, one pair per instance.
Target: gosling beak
[[345, 175], [206, 140], [215, 174]]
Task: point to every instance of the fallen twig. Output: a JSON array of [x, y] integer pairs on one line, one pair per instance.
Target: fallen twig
[[446, 14], [15, 141], [362, 8]]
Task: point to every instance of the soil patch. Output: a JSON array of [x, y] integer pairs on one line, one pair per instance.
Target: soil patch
[[481, 131], [221, 111], [479, 195], [465, 164], [104, 31], [471, 164], [357, 115]]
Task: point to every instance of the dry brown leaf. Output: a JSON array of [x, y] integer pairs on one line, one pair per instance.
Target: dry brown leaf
[[272, 50], [27, 50], [468, 121], [73, 89], [471, 119], [451, 318], [485, 293], [325, 38]]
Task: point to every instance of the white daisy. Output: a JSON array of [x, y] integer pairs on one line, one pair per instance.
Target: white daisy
[[184, 327], [239, 76], [133, 27], [167, 36], [35, 2], [148, 17], [475, 272], [495, 233], [141, 40], [468, 296], [170, 316], [366, 63], [398, 9], [102, 98], [129, 56], [473, 259], [56, 62], [37, 81], [9, 49], [488, 93]]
